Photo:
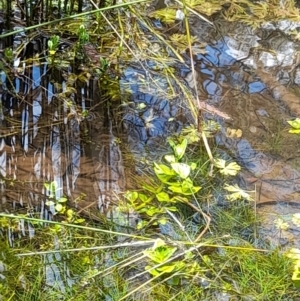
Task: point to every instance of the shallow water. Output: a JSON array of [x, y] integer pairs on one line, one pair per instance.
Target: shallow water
[[257, 88]]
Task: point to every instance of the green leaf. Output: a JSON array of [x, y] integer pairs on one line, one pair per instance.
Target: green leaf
[[160, 169], [143, 197], [231, 169], [163, 178], [186, 187], [167, 268], [163, 197], [182, 169], [63, 199], [151, 211], [160, 254], [60, 208], [149, 188], [179, 149], [193, 166], [131, 196]]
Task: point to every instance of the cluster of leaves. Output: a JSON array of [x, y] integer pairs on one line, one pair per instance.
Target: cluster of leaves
[[162, 262], [53, 44], [253, 13], [59, 205], [175, 185]]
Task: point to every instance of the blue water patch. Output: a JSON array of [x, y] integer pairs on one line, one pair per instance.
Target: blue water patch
[[256, 87]]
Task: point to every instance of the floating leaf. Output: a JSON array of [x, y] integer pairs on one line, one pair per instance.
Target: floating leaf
[[280, 224], [234, 133], [231, 169], [167, 15], [296, 219], [236, 193]]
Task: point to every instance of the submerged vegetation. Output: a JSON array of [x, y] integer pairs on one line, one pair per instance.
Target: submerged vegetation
[[187, 230]]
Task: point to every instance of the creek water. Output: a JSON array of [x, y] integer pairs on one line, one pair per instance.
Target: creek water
[[253, 76], [57, 127]]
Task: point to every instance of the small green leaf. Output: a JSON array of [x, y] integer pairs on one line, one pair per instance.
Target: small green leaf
[[149, 188], [160, 254], [185, 188], [143, 197], [163, 197], [163, 169], [60, 208], [164, 178], [63, 200], [179, 149], [151, 211], [193, 166], [131, 196], [167, 268]]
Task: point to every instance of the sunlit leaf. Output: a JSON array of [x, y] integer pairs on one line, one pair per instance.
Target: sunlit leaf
[[182, 169], [236, 193], [296, 219], [231, 169], [281, 224], [170, 158]]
